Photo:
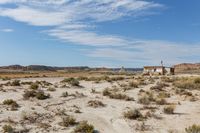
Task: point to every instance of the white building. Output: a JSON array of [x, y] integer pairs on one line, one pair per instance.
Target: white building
[[161, 70]]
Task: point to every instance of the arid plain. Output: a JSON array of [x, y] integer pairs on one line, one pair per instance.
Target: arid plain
[[100, 103]]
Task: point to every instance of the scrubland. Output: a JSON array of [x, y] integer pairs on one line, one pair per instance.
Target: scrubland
[[117, 103]]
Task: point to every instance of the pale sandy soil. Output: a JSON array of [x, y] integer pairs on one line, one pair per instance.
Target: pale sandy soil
[[108, 119]]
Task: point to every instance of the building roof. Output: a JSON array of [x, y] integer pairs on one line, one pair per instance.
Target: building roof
[[152, 67]]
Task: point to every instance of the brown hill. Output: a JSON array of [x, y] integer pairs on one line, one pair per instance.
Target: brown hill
[[187, 68]]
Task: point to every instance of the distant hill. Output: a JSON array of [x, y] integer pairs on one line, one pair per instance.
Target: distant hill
[[40, 68], [20, 68], [187, 68]]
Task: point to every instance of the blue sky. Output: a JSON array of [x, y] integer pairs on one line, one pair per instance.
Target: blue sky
[[95, 33]]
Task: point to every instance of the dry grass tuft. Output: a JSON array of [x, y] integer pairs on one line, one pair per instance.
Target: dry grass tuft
[[169, 109], [95, 103], [193, 129], [84, 127], [133, 114]]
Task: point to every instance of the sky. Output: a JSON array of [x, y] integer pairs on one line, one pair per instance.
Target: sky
[[99, 33]]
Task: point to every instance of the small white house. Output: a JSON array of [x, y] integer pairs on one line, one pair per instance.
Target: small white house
[[161, 70]]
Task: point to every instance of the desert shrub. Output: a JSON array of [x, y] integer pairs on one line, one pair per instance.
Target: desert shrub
[[27, 83], [41, 95], [193, 129], [34, 86], [15, 83], [6, 78], [146, 98], [84, 127], [51, 89], [106, 92], [29, 94], [163, 95], [188, 83], [71, 81], [38, 94], [169, 109], [115, 95], [8, 129], [117, 78], [133, 84], [159, 86], [167, 79], [65, 94], [197, 80], [83, 78], [161, 101], [12, 103], [133, 114], [95, 103], [68, 121]]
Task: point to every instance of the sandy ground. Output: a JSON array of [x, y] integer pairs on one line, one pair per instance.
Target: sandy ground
[[108, 119]]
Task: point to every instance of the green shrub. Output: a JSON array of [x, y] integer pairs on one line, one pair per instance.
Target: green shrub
[[161, 101], [146, 98], [8, 129], [71, 81], [120, 96], [188, 83], [11, 103], [38, 94], [133, 114], [193, 129], [65, 94], [169, 109], [15, 83], [34, 86], [133, 84], [51, 89], [68, 121], [41, 95], [84, 127], [95, 103], [29, 94], [106, 92]]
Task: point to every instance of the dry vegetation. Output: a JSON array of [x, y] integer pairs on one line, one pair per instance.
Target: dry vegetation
[[99, 103]]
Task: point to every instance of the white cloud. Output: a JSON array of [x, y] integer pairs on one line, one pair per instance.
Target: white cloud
[[70, 18], [7, 30], [84, 37], [150, 52]]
